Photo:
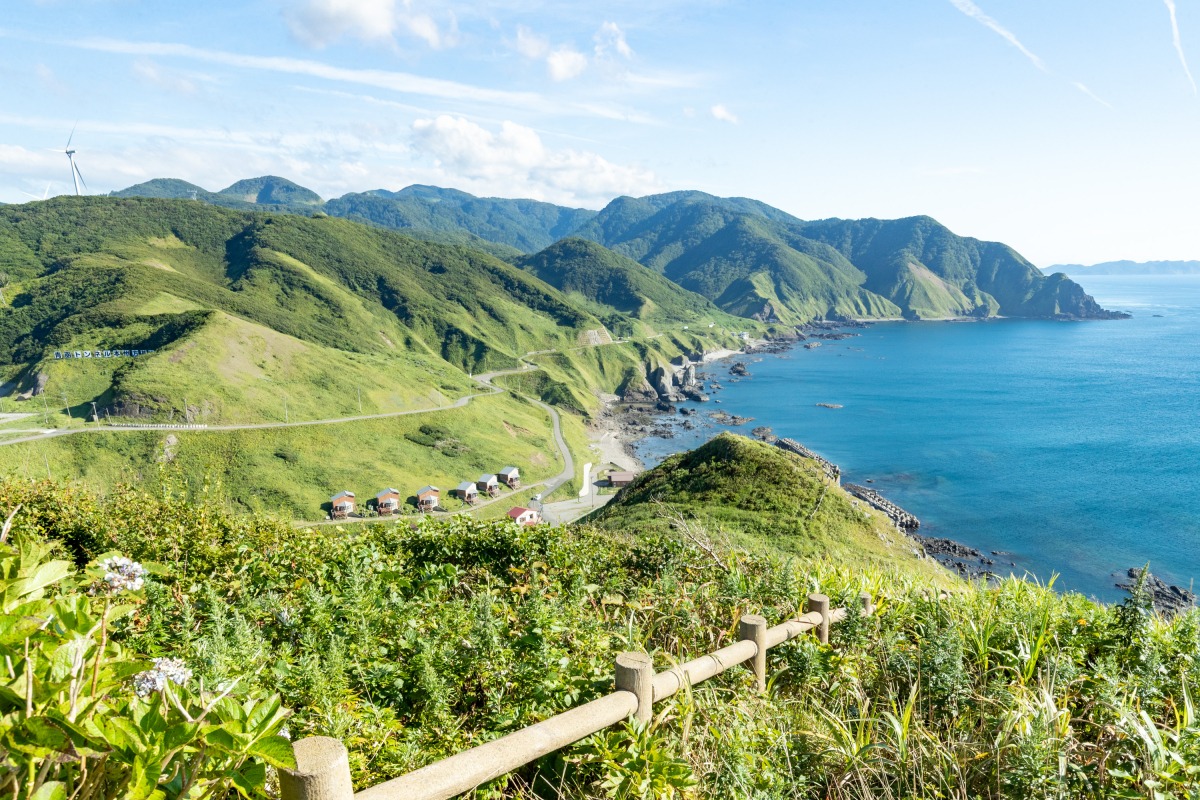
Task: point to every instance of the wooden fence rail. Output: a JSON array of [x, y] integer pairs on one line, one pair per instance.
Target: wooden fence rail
[[323, 767]]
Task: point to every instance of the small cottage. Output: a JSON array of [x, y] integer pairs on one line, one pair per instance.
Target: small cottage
[[618, 478], [524, 516], [387, 502], [428, 498], [467, 492], [343, 505], [489, 484], [510, 477]]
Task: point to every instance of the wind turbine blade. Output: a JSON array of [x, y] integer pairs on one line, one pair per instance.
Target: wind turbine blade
[[46, 193], [72, 136], [80, 174], [34, 196]]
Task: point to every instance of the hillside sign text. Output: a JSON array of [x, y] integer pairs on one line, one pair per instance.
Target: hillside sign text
[[60, 354]]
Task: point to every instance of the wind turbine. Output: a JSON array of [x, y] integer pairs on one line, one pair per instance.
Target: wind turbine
[[45, 194], [76, 175]]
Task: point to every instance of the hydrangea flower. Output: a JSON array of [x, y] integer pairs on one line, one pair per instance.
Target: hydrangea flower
[[154, 680], [122, 575]]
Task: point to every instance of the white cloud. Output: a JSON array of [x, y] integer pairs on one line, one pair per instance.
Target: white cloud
[[514, 162], [1178, 43], [610, 38], [319, 23], [155, 75], [530, 45], [723, 114], [565, 63]]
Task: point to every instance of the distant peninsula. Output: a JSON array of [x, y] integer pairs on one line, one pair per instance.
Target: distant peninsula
[[1127, 268]]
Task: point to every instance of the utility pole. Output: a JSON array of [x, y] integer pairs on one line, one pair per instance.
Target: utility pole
[[48, 475], [45, 409], [285, 413], [95, 413], [359, 399], [187, 414], [67, 406]]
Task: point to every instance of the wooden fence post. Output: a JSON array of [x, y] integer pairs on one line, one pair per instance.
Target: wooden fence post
[[322, 772], [820, 604], [635, 673], [753, 627], [868, 605]]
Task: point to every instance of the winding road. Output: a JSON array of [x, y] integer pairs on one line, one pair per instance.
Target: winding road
[[484, 380]]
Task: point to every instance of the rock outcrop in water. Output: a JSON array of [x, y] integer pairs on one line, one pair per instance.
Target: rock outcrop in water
[[1167, 599]]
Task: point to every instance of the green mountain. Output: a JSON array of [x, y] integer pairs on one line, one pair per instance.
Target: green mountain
[[524, 225], [270, 190], [755, 261], [614, 286], [749, 259], [930, 272], [234, 302], [267, 193], [169, 188]]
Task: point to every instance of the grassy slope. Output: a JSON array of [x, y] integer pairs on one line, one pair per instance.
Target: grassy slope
[[293, 471], [757, 497], [367, 307]]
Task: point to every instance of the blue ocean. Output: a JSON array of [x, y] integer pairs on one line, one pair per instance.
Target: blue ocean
[[1073, 447]]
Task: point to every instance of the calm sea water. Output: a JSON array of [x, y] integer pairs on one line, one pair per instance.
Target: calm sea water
[[1073, 446]]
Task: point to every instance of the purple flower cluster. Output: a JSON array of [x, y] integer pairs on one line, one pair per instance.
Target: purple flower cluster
[[155, 680], [122, 575]]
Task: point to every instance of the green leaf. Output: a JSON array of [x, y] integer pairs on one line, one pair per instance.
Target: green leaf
[[180, 735], [46, 574], [251, 779], [143, 779], [52, 790], [275, 750], [228, 741], [38, 737]]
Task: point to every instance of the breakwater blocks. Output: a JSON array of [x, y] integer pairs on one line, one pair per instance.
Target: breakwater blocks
[[832, 470], [895, 513]]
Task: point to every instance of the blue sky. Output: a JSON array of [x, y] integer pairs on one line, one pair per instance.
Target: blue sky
[[1067, 129]]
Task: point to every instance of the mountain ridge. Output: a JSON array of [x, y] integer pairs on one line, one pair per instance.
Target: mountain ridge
[[748, 258], [1126, 267]]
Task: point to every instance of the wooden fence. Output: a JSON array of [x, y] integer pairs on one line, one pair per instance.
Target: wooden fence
[[323, 767]]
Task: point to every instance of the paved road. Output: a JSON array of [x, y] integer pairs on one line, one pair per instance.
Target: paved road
[[485, 380], [568, 471]]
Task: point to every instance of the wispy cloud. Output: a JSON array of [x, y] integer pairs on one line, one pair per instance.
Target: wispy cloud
[[724, 114], [1083, 88], [976, 13], [1170, 4], [382, 79]]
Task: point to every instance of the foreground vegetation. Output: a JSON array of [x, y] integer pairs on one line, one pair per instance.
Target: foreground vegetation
[[413, 643]]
